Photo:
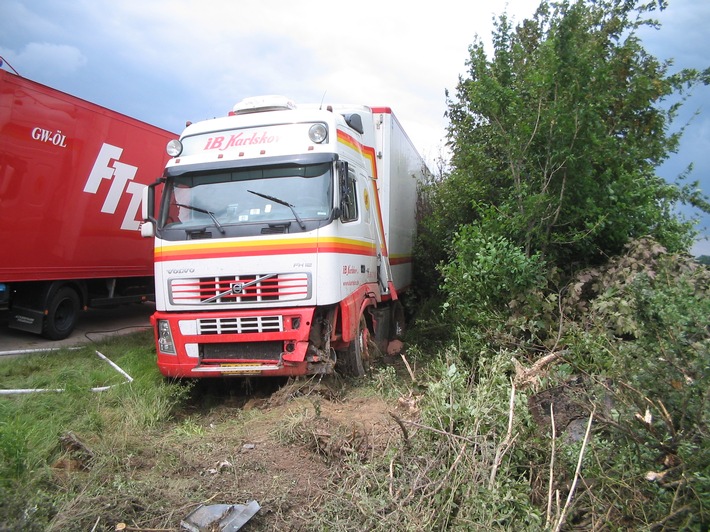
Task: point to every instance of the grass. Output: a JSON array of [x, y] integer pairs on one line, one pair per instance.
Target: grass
[[147, 452], [457, 449], [33, 425], [326, 454]]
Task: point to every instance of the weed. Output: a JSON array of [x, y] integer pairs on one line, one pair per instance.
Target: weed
[[189, 427], [294, 427], [386, 381]]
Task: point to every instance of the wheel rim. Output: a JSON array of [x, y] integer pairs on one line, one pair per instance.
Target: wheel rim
[[64, 314], [364, 339]]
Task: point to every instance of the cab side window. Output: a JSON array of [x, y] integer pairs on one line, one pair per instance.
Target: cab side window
[[349, 198]]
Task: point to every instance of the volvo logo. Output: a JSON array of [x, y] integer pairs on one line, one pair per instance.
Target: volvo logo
[[181, 270], [236, 287]]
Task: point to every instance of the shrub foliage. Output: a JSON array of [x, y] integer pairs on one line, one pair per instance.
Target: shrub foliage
[[556, 137], [578, 338]]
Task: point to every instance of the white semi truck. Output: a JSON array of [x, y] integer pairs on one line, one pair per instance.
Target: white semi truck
[[283, 240]]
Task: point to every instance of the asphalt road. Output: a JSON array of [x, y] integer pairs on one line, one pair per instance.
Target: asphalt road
[[94, 324]]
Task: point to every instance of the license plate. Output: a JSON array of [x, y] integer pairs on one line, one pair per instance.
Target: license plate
[[239, 368]]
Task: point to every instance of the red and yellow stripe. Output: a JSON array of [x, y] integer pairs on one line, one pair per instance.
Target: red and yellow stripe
[[397, 260], [368, 152], [216, 250]]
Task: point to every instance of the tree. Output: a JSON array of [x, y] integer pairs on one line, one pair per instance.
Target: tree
[[556, 138]]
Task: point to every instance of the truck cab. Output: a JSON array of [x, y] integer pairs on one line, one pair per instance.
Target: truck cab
[[271, 256]]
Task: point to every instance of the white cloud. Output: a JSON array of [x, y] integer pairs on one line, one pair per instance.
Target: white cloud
[[390, 53], [54, 59], [377, 53]]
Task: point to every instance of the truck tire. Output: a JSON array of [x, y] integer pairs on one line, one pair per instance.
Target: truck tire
[[354, 360], [62, 314]]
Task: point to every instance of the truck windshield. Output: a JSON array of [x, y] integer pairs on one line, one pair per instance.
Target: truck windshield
[[256, 195]]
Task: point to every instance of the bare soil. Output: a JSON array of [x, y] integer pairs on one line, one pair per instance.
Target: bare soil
[[279, 446]]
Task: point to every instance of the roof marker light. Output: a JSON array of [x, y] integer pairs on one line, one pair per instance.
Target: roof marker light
[[263, 103]]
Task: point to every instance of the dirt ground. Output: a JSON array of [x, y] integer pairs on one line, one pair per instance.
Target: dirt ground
[[279, 447]]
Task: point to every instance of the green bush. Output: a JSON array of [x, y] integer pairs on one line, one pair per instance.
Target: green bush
[[628, 340], [486, 273], [644, 345], [456, 468]]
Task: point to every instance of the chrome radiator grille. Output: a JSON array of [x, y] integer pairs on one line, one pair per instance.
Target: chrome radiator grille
[[247, 324], [239, 289]]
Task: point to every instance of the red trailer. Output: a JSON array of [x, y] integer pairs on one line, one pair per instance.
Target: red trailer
[[71, 180]]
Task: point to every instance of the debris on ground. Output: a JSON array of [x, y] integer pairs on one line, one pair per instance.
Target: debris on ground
[[220, 517]]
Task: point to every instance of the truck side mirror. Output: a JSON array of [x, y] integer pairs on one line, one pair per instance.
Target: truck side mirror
[[344, 186], [147, 229], [355, 121], [343, 178], [348, 202], [148, 209], [148, 197]]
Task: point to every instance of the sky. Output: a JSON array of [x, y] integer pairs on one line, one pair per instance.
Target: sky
[[167, 62]]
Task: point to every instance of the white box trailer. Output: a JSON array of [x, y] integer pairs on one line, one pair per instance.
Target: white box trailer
[[283, 240], [401, 169]]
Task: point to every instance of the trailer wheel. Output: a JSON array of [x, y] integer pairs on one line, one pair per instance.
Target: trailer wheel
[[356, 358], [62, 314]]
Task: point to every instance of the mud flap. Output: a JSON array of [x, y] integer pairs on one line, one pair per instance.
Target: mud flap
[[26, 319], [381, 326]]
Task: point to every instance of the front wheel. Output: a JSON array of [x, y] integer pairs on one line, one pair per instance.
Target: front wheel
[[62, 314], [354, 360]]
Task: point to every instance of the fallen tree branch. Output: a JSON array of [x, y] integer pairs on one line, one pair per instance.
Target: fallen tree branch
[[570, 495], [552, 467], [438, 431], [526, 376], [405, 433], [409, 368], [508, 441]]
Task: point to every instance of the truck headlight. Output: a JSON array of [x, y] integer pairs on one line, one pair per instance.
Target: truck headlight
[[165, 338], [318, 133], [174, 148]]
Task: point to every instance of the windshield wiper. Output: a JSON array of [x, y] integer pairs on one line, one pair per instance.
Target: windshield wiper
[[284, 203], [204, 211]]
